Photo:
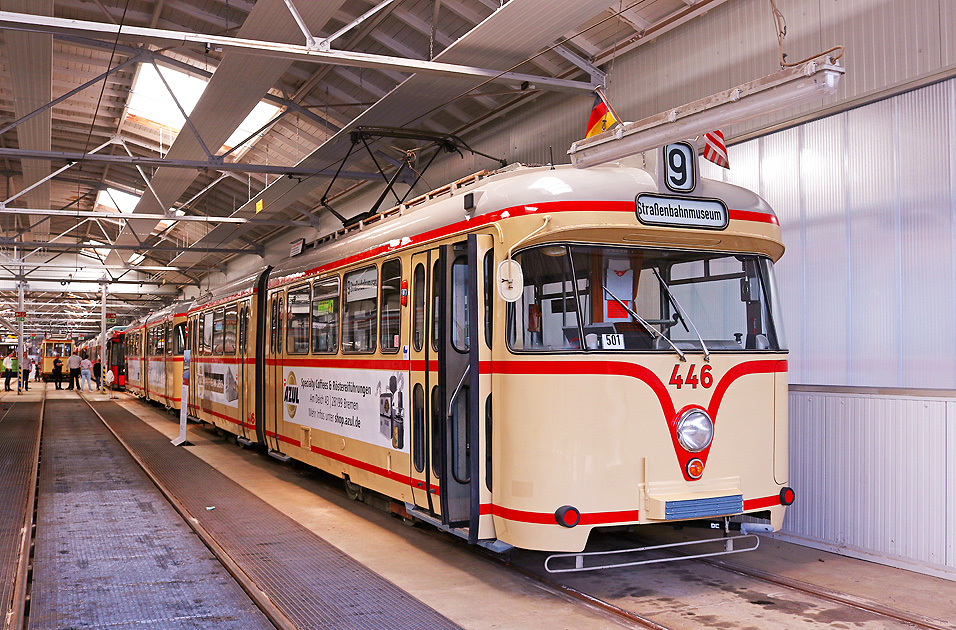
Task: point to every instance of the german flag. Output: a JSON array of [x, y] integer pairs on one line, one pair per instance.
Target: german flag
[[601, 117]]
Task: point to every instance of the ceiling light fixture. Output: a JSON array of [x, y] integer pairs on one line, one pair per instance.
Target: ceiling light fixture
[[771, 93]]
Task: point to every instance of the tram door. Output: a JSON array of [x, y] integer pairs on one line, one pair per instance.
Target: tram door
[[195, 369], [264, 426], [243, 352], [446, 384]]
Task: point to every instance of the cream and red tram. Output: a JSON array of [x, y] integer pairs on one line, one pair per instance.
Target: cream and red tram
[[636, 374], [135, 365], [49, 350], [154, 355]]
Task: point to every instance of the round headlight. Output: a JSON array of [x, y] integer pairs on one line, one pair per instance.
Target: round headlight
[[695, 430]]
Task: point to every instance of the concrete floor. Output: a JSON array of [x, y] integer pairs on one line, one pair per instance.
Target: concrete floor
[[480, 595]]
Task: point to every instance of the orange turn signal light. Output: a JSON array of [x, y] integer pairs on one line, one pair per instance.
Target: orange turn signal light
[[695, 468]]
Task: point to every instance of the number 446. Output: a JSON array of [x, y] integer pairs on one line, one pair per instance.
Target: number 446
[[705, 379]]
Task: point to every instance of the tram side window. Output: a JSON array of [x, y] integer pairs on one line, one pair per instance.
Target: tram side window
[[325, 316], [161, 339], [205, 341], [391, 305], [545, 316], [436, 283], [243, 330], [178, 339], [359, 313], [229, 326], [489, 295], [273, 323], [297, 330], [459, 305], [418, 327], [217, 326]]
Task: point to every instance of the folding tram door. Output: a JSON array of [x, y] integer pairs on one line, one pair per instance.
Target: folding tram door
[[277, 390], [448, 391]]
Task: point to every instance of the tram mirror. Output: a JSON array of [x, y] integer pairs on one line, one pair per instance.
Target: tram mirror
[[510, 280]]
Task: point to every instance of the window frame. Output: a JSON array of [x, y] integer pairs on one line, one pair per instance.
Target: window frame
[[336, 312], [389, 349], [371, 328], [289, 342]]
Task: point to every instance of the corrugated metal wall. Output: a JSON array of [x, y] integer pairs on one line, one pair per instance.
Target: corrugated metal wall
[[873, 476], [867, 205]]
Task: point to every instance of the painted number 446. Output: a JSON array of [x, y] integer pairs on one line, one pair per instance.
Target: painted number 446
[[704, 378]]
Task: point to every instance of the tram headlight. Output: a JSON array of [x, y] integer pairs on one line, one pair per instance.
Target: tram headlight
[[695, 430]]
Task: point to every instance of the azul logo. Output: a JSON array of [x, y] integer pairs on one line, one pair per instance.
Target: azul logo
[[290, 394]]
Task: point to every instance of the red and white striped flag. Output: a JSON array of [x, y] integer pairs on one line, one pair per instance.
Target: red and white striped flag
[[715, 149]]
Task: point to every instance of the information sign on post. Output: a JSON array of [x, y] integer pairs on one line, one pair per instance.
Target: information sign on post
[[21, 316], [111, 318]]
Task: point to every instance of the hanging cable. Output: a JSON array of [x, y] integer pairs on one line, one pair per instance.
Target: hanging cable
[[780, 25]]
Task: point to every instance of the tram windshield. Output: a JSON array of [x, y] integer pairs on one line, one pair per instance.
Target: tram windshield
[[601, 299]]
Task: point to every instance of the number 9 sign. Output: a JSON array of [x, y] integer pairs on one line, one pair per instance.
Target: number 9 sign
[[680, 167]]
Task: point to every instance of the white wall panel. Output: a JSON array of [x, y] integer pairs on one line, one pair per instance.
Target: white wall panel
[[867, 207], [871, 475], [871, 164], [926, 238]]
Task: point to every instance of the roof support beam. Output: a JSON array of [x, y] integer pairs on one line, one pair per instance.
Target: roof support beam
[[9, 242], [117, 216], [43, 24], [214, 164]]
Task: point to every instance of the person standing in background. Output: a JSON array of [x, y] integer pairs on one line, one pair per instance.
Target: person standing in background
[[7, 371], [57, 371], [25, 370], [96, 373], [73, 364], [86, 369]]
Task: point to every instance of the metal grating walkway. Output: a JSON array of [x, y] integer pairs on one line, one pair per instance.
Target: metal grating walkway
[[315, 584], [110, 551], [19, 432]]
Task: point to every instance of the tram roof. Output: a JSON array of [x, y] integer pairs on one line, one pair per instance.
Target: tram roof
[[515, 186]]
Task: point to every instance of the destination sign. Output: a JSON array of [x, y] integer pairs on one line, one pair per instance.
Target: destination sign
[[709, 214]]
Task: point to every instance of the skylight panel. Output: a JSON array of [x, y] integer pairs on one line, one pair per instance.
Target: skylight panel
[[260, 115], [117, 200], [150, 99]]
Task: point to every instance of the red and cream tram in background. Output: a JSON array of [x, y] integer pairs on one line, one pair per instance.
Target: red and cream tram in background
[[154, 355], [115, 353], [520, 357]]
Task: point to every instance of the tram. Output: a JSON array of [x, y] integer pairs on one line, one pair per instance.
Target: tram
[[115, 353], [521, 357], [154, 348], [51, 348]]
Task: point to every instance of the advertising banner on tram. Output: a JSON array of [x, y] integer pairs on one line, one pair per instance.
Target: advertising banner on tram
[[364, 405], [218, 383]]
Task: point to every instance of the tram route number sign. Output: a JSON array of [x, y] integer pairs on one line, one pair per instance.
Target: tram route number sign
[[111, 318], [21, 316]]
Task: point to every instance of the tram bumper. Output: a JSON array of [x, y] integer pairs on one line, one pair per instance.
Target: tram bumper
[[677, 501]]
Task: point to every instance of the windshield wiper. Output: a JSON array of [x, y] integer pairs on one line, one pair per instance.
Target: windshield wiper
[[684, 316], [650, 329]]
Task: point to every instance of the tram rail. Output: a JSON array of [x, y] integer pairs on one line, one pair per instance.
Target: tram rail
[[259, 598], [19, 609], [846, 599]]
